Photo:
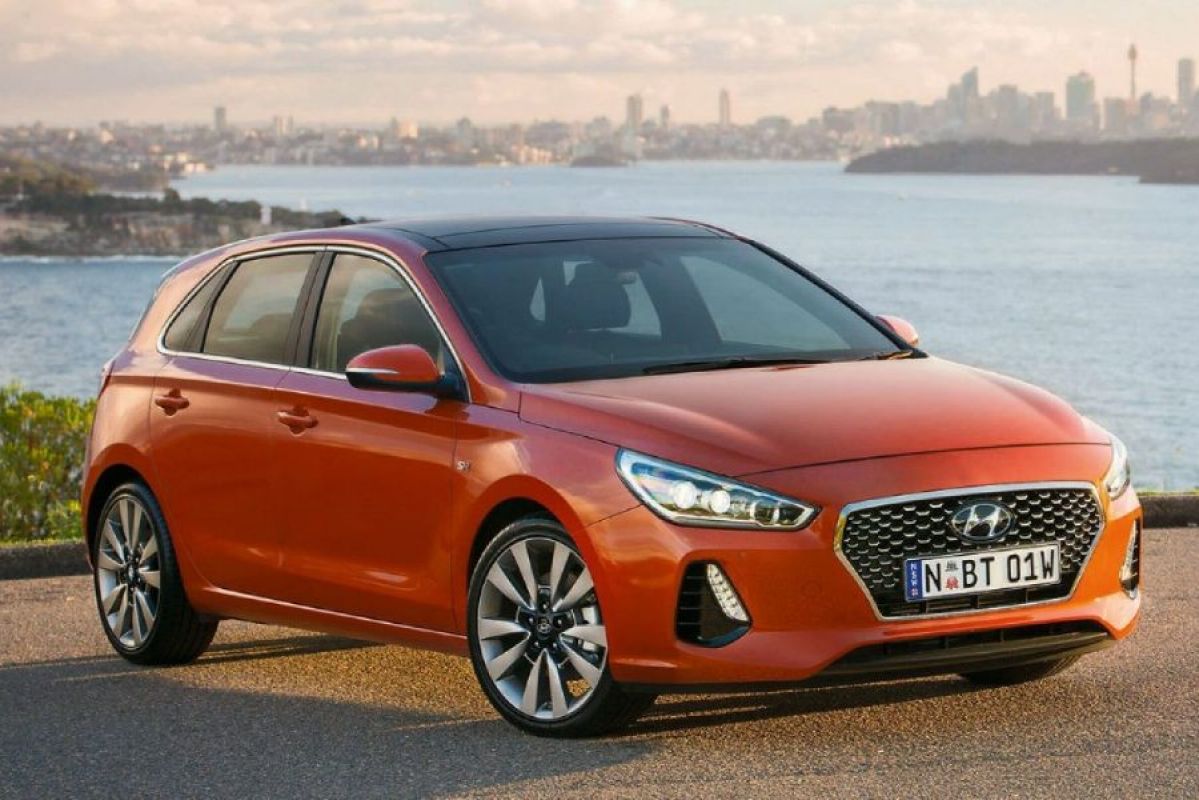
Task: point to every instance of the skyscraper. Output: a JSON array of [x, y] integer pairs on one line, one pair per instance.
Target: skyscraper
[[1009, 107], [963, 97], [1044, 111], [1115, 116], [664, 117], [220, 120], [1132, 73], [726, 109], [1080, 99], [970, 85], [634, 113], [1186, 83]]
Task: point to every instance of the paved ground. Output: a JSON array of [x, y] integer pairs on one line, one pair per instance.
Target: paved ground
[[272, 712]]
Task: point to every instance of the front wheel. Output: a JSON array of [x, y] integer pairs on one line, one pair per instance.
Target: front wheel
[[537, 637]]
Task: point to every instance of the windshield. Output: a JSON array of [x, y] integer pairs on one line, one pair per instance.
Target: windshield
[[563, 311]]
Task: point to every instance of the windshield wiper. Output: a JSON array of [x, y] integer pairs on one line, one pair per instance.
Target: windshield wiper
[[887, 355], [737, 362]]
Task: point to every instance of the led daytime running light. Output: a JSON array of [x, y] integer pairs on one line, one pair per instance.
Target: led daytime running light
[[725, 594]]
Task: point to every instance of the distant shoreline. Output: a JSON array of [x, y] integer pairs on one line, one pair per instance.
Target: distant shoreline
[[56, 210], [1160, 161], [71, 225], [77, 223]]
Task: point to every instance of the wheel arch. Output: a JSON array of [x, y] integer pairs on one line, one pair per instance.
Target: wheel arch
[[504, 503], [113, 476], [500, 517]]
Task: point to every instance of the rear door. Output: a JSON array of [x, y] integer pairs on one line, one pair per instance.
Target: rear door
[[367, 483], [214, 420]]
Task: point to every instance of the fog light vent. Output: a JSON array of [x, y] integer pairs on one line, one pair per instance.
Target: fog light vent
[[1130, 572], [710, 612]]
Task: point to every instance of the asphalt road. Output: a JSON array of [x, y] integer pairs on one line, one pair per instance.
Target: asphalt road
[[270, 712]]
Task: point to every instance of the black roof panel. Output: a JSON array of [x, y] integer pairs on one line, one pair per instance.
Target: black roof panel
[[454, 233]]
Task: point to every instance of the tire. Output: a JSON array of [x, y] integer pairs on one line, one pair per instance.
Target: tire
[[511, 637], [144, 623], [1022, 673]]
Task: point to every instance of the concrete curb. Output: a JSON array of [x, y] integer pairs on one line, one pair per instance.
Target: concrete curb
[[70, 558], [43, 561], [1171, 510]]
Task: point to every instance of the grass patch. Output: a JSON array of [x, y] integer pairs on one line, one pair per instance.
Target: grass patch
[[9, 544]]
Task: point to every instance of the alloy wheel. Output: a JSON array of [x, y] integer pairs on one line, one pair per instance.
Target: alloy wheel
[[128, 572], [539, 629]]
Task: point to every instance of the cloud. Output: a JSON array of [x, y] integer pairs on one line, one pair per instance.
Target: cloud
[[31, 52], [513, 59]]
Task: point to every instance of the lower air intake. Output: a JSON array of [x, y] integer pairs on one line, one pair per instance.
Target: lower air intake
[[700, 618]]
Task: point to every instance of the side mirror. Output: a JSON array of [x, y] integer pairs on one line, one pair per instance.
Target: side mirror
[[904, 329], [402, 368]]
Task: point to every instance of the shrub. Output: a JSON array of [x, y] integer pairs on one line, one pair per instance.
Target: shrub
[[42, 442]]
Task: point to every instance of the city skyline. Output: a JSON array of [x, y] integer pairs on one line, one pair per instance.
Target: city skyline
[[500, 61], [968, 110], [1077, 90]]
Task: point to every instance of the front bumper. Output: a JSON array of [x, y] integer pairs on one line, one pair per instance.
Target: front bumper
[[810, 615]]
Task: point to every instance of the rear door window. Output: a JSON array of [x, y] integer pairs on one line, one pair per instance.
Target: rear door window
[[252, 317]]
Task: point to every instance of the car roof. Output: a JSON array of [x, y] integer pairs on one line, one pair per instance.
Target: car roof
[[455, 233]]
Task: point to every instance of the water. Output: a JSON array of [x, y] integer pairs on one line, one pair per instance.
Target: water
[[1088, 286]]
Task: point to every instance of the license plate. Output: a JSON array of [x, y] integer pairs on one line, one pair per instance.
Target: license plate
[[986, 571]]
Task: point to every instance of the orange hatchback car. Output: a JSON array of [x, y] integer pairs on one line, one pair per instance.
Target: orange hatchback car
[[602, 457]]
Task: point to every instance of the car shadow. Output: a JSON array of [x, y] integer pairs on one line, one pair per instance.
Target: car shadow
[[684, 712], [292, 717], [224, 653], [98, 727]]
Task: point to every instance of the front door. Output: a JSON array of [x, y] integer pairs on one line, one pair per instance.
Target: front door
[[366, 482]]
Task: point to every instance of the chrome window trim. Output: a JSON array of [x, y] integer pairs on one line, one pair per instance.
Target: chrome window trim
[[387, 259], [962, 492], [318, 373], [160, 344]]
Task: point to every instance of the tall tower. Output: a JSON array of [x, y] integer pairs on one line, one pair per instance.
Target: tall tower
[[726, 109], [1132, 73], [634, 113], [1080, 100], [970, 84], [1186, 83]]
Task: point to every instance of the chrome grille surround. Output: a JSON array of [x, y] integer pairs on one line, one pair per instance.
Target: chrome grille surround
[[874, 537]]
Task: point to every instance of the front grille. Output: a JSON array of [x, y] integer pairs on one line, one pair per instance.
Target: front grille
[[877, 537]]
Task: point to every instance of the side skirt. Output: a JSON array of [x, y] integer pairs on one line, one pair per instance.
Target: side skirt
[[235, 605]]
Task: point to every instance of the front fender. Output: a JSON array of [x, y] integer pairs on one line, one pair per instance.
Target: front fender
[[502, 458]]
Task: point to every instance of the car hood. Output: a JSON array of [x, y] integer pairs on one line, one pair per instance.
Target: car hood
[[743, 421]]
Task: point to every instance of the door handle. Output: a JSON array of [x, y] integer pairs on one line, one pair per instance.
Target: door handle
[[296, 419], [171, 402]]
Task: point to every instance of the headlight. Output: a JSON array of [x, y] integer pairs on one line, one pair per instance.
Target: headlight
[[1118, 474], [691, 497]]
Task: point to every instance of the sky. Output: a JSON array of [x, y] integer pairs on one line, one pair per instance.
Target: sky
[[77, 62]]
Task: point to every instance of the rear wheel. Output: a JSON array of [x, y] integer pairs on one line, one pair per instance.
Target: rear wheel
[[537, 637], [1023, 673], [143, 608]]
